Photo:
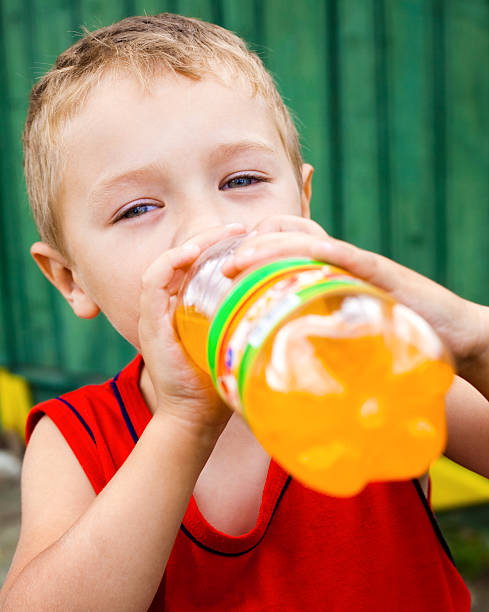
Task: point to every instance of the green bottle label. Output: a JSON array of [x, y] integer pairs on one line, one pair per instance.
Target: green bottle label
[[255, 307]]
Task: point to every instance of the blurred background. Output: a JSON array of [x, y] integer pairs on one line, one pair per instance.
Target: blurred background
[[391, 99]]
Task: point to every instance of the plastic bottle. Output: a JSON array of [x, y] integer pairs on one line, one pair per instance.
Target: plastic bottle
[[341, 385]]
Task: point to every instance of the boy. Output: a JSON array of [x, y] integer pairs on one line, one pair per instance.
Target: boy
[[145, 144]]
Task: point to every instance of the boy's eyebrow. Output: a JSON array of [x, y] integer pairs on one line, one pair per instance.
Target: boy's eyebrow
[[243, 146], [221, 151], [106, 184]]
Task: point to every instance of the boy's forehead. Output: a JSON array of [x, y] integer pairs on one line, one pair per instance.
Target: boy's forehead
[[125, 125], [121, 109], [115, 90], [170, 103]]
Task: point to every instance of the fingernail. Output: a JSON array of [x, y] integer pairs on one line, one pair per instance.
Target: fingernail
[[235, 225]]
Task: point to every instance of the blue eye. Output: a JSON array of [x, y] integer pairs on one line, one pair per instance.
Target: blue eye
[[244, 180], [137, 211]]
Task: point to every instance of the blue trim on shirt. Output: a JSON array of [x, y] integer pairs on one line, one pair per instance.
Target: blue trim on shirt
[[124, 413], [433, 520], [80, 418], [242, 552]]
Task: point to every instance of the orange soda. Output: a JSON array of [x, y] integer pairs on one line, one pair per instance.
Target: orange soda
[[340, 384]]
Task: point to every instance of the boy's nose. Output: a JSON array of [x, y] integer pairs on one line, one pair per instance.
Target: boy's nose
[[207, 216]]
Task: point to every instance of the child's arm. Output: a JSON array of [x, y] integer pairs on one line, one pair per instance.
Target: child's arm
[[463, 325], [109, 552], [467, 413]]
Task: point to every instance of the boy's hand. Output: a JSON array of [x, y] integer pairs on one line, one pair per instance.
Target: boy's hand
[[276, 236], [180, 387], [463, 325]]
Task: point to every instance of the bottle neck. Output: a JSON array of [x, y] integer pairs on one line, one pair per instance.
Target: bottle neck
[[204, 289]]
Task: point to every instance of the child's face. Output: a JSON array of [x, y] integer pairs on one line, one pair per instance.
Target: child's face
[[145, 172]]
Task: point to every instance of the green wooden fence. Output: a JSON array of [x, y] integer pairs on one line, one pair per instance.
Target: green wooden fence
[[392, 103]]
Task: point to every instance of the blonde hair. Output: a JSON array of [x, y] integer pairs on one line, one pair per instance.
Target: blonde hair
[[145, 47]]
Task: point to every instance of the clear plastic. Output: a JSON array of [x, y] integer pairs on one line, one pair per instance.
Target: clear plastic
[[341, 385]]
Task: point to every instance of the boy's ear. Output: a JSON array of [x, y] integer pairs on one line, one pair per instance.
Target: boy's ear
[[307, 172], [56, 269]]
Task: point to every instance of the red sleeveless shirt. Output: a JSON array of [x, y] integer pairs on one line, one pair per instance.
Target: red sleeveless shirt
[[379, 551]]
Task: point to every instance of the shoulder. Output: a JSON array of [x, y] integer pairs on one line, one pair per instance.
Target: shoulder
[[49, 462], [73, 412], [55, 493], [93, 421], [82, 408]]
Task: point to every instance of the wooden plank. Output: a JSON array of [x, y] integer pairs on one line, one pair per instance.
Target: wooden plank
[[98, 13], [33, 299], [202, 9], [244, 19], [332, 119], [64, 331], [357, 124], [43, 342], [154, 7], [6, 336], [7, 328], [16, 222], [467, 86], [54, 30], [411, 110], [382, 122], [439, 122], [297, 57], [50, 31]]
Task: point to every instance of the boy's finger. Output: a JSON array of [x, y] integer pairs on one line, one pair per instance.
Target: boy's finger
[[164, 276], [264, 247], [154, 299], [210, 236], [402, 283], [169, 270], [371, 267], [161, 271], [290, 223]]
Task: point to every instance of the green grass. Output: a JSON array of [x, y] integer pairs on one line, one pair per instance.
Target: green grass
[[467, 533]]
